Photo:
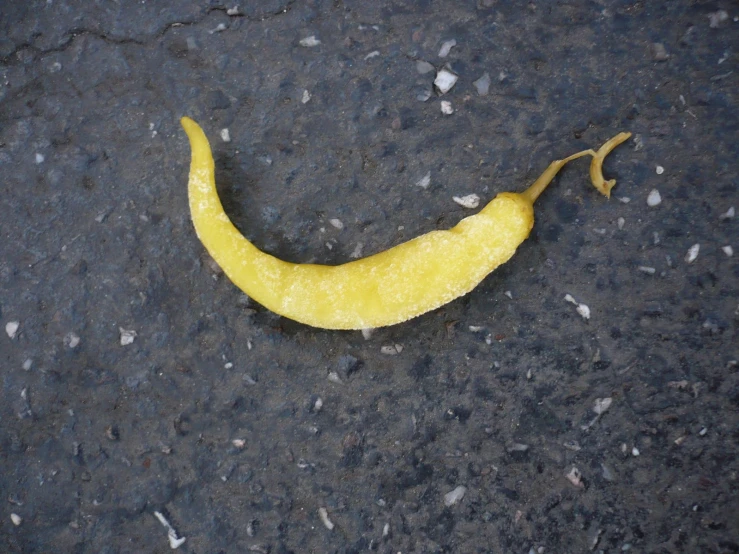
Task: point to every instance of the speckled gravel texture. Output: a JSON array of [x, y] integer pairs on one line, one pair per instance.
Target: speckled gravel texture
[[493, 392]]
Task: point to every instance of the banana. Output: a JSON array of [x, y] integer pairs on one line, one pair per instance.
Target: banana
[[390, 287]]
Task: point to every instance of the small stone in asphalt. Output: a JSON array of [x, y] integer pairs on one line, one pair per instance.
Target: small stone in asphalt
[[445, 80], [323, 514], [654, 198], [71, 340], [310, 42], [692, 254], [127, 336], [452, 497], [446, 47], [11, 328], [424, 181], [469, 201], [424, 67], [659, 52], [483, 84]]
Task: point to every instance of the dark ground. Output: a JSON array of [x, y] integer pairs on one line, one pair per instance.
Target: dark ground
[[489, 392]]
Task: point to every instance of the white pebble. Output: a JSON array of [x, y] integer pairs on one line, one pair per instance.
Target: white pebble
[[446, 47], [39, 158], [509, 294], [127, 336], [334, 378], [27, 364], [575, 477], [647, 269], [602, 404], [11, 327], [728, 214], [323, 514], [660, 170], [424, 181], [239, 443], [336, 223], [621, 222], [72, 340], [703, 432], [386, 530], [654, 198], [452, 497], [16, 519], [357, 252], [635, 451], [310, 42], [228, 365], [391, 349], [716, 18], [692, 253], [372, 54], [583, 310], [367, 333], [233, 11], [225, 135], [624, 199], [174, 541], [445, 80], [470, 201], [728, 250], [306, 97], [446, 107]]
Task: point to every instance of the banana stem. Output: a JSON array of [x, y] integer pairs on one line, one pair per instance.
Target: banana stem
[[596, 169]]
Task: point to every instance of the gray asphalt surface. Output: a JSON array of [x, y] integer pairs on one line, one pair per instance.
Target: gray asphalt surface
[[136, 379]]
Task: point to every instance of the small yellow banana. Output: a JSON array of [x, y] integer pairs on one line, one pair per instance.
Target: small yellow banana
[[387, 288]]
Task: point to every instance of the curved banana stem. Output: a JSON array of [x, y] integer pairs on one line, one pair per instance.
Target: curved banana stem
[[596, 169]]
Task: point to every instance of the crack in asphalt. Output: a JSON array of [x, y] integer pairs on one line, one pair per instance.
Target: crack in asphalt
[[271, 15], [69, 36]]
